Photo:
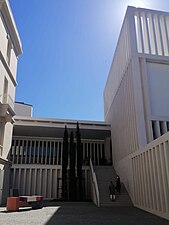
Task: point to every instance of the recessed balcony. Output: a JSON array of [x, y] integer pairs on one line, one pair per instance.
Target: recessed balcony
[[7, 99]]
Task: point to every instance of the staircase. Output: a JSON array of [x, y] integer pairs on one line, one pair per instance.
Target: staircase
[[104, 175]]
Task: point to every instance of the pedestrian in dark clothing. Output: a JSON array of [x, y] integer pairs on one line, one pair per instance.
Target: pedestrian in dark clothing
[[112, 191], [118, 184]]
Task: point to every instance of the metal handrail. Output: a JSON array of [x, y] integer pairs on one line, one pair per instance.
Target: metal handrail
[[1, 149], [95, 189]]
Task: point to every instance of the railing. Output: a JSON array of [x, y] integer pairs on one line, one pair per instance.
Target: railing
[[94, 186], [150, 167], [1, 149], [7, 99]]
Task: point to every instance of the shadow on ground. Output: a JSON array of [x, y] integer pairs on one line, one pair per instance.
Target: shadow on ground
[[88, 214]]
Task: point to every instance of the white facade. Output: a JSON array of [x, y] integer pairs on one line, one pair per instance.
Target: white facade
[[136, 104], [36, 153], [10, 48]]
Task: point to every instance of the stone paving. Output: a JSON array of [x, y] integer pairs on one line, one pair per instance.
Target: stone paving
[[86, 213]]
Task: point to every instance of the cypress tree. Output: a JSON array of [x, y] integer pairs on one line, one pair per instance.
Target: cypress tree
[[79, 162], [64, 164], [72, 178]]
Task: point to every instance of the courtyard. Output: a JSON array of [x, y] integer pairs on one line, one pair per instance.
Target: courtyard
[[82, 213]]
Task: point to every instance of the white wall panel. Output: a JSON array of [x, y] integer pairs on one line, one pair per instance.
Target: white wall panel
[[154, 185], [123, 119], [158, 80]]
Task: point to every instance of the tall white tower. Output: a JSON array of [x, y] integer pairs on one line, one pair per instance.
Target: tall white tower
[[10, 49], [136, 98]]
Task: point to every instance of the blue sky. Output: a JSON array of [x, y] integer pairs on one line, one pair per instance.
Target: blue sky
[[68, 47]]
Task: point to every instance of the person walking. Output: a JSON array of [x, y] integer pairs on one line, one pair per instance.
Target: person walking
[[118, 184], [112, 191]]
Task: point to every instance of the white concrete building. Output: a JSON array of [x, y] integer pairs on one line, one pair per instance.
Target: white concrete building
[[136, 104], [36, 152], [136, 117], [10, 48]]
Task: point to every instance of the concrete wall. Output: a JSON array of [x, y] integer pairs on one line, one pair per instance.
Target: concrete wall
[[150, 166], [22, 109], [136, 95], [158, 80], [10, 48], [36, 164], [4, 40]]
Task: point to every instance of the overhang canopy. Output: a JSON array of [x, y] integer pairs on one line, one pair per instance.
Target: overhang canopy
[[54, 128]]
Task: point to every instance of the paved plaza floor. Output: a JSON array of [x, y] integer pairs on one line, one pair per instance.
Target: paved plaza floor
[[86, 213]]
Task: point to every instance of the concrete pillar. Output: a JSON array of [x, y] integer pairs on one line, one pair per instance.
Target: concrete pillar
[[4, 183], [107, 149]]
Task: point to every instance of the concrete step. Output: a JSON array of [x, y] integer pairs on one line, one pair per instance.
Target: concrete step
[[104, 175]]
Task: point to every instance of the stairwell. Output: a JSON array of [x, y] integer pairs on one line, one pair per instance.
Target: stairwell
[[104, 175]]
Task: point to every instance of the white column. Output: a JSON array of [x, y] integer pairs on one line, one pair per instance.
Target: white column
[[42, 152], [164, 177], [87, 153], [14, 150], [167, 37], [159, 179], [19, 179], [26, 151], [157, 129], [164, 127], [134, 179], [55, 183], [45, 183], [160, 36], [40, 183], [61, 150], [146, 34], [38, 153], [46, 152], [158, 207], [30, 151], [22, 148], [17, 152], [143, 176], [147, 170], [34, 152], [14, 177], [152, 188], [154, 34], [57, 152], [35, 182], [50, 152], [24, 182], [54, 152], [140, 34], [140, 192], [29, 181], [50, 184]]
